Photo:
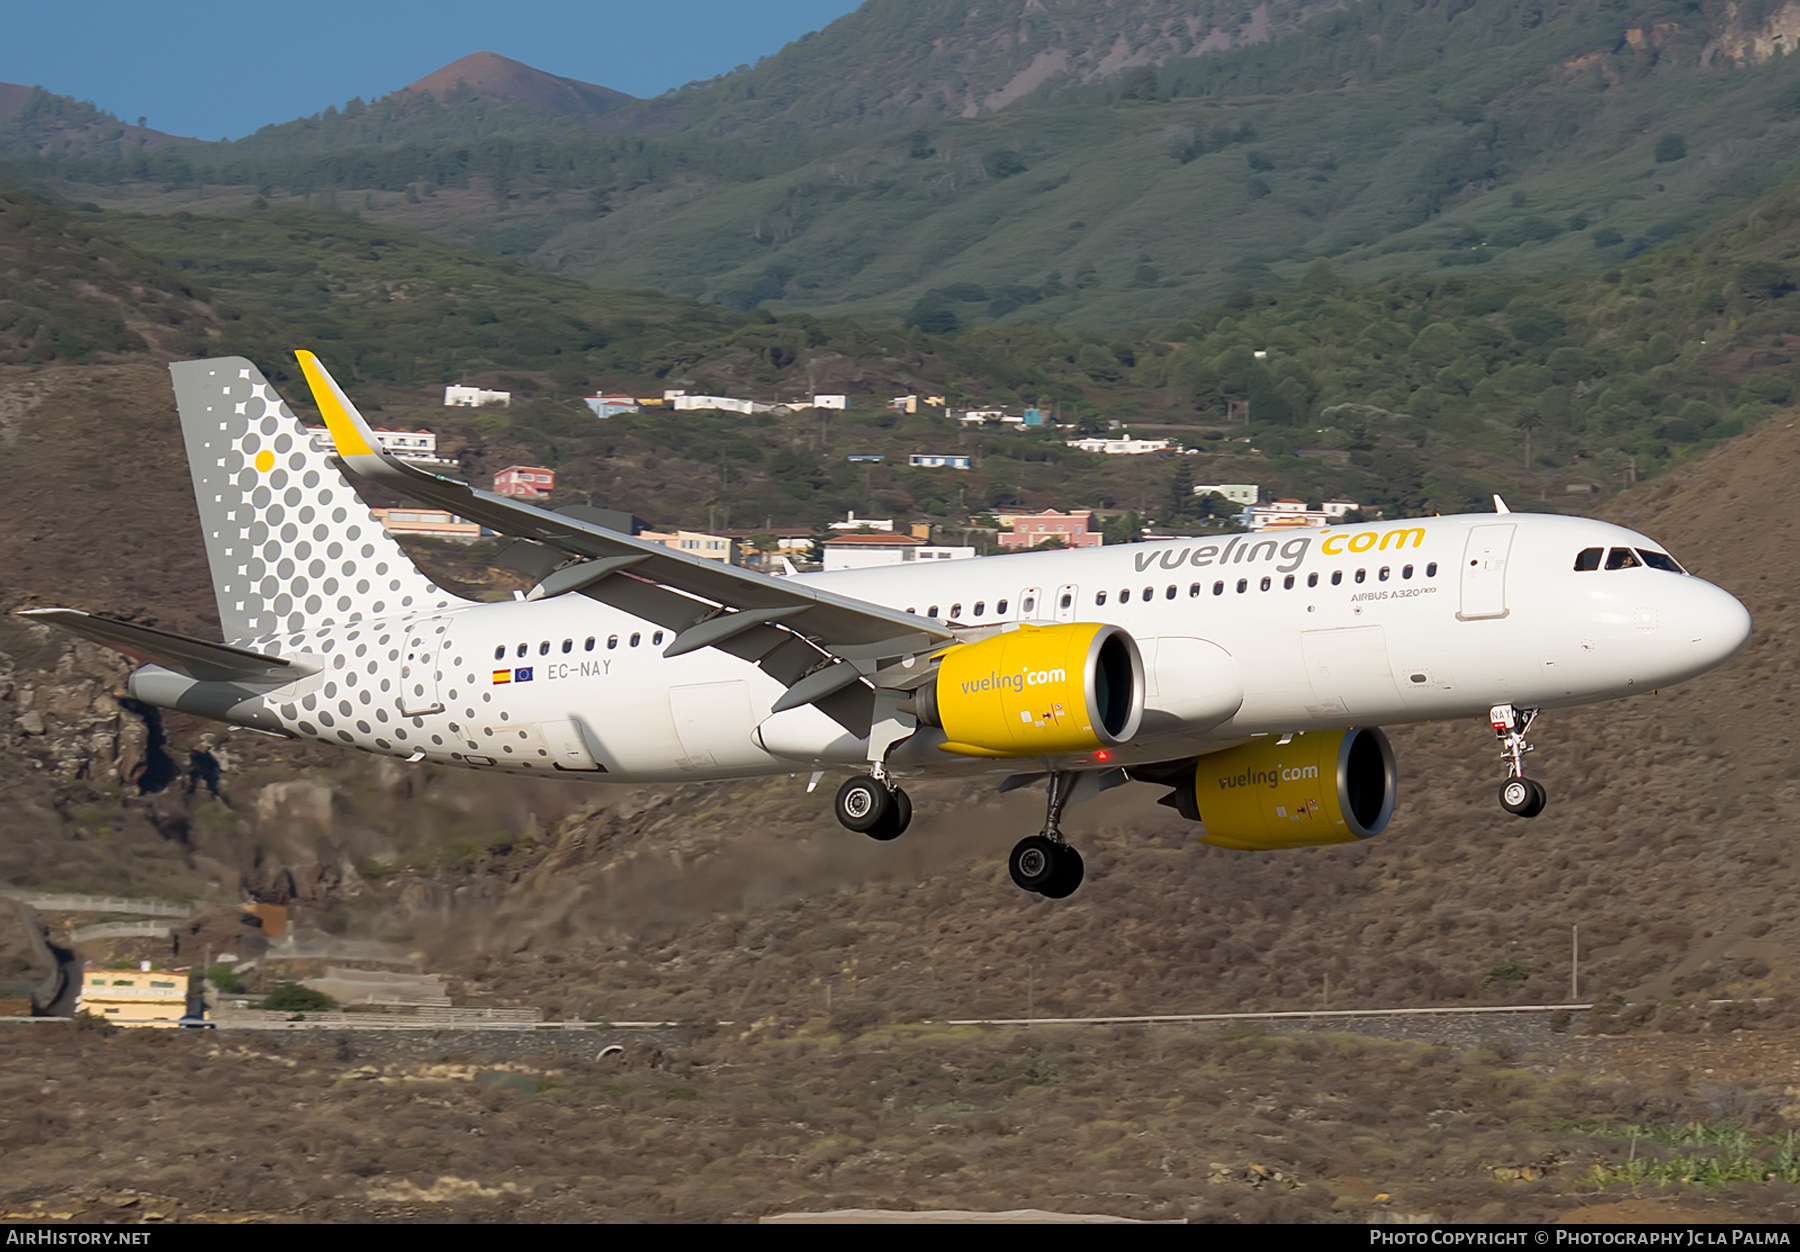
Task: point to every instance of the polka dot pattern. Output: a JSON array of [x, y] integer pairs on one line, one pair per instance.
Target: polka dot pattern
[[291, 545]]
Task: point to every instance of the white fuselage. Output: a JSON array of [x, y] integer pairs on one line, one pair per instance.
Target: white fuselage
[[1357, 625]]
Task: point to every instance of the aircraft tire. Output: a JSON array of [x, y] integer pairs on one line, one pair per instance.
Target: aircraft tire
[[862, 804], [898, 818], [1523, 797], [1069, 872], [1034, 863]]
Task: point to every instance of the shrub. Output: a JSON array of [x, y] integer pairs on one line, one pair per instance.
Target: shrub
[[291, 997]]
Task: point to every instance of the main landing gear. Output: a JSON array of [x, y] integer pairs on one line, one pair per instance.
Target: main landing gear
[[1045, 863], [1519, 795], [870, 807]]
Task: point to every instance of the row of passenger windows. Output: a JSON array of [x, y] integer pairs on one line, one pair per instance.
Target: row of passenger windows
[[1624, 558], [1170, 592], [1383, 574], [568, 645]]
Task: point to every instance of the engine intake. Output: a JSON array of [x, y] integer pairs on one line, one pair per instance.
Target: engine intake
[[1037, 691]]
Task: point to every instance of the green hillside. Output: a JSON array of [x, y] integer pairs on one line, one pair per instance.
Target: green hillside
[[1410, 394], [1395, 139]]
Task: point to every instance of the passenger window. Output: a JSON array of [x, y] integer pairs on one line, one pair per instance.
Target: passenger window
[[1218, 588], [980, 607], [544, 648], [1431, 570], [1312, 580], [1099, 597], [1029, 607], [500, 653], [955, 611], [1383, 576], [635, 638], [612, 641], [1243, 585], [1194, 590], [657, 637], [932, 611], [1406, 571], [589, 647], [1124, 595], [568, 645], [1287, 584], [1337, 576], [524, 648], [1000, 608], [1661, 561], [1149, 593], [1067, 600], [1587, 559], [1170, 593], [1266, 583], [1621, 558], [1362, 575]]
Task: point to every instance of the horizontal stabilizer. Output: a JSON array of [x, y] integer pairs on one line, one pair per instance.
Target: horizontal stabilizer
[[194, 658]]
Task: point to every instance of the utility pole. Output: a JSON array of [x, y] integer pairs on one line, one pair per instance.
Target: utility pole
[[1574, 964]]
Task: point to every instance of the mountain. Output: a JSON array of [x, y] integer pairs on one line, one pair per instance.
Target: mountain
[[37, 125], [490, 77]]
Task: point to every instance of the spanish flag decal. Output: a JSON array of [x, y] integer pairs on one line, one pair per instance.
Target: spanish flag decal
[[502, 676]]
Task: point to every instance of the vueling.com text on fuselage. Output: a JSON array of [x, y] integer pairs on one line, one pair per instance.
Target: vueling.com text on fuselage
[[1249, 550]]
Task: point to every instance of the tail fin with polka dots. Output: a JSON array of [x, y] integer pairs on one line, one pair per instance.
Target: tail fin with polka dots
[[291, 545]]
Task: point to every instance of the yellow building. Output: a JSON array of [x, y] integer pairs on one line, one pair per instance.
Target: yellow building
[[135, 997]]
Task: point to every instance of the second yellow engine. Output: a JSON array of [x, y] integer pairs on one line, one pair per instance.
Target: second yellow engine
[[1332, 786]]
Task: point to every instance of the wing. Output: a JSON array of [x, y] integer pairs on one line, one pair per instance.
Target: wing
[[796, 632], [194, 658]]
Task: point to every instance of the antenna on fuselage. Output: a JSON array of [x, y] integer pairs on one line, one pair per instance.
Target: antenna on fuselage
[[1500, 505]]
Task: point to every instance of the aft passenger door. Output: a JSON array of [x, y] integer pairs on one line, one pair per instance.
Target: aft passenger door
[[1484, 572], [419, 667]]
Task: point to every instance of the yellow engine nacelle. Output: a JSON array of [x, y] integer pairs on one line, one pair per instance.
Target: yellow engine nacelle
[[1037, 691], [1335, 786]]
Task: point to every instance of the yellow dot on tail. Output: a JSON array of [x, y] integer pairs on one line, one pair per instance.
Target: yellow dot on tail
[[265, 461]]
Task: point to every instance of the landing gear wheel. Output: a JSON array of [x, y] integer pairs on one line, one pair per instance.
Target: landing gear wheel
[[899, 817], [863, 804], [1068, 875], [1051, 869], [1523, 797]]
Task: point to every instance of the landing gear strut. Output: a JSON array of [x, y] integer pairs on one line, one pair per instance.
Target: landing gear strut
[[1519, 795], [870, 807], [1045, 863]]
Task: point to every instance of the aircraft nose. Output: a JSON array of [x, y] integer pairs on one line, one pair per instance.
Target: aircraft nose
[[1717, 623]]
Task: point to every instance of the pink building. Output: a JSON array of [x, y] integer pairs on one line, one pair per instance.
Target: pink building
[[527, 482], [1074, 530]]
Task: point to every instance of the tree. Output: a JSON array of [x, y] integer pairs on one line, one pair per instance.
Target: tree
[[1529, 421], [291, 997], [1181, 492]]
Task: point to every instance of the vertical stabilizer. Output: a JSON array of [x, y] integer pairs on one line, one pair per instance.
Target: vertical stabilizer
[[291, 545]]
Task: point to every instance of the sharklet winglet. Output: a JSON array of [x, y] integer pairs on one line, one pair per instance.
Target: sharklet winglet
[[349, 432]]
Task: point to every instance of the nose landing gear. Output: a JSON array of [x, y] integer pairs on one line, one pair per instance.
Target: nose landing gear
[[1519, 795], [870, 807], [1045, 863]]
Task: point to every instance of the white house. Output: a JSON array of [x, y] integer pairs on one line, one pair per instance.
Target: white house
[[1122, 447], [1237, 493], [853, 522], [831, 402], [934, 460], [475, 397], [868, 551], [408, 445]]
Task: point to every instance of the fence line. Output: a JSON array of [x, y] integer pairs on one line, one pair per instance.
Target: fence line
[[96, 904], [1288, 1015], [121, 930]]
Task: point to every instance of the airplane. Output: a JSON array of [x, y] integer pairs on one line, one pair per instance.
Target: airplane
[[1249, 674]]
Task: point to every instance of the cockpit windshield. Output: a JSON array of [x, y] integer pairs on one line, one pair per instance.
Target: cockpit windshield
[[1626, 558]]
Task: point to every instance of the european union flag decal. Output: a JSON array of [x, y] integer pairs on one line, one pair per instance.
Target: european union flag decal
[[522, 675]]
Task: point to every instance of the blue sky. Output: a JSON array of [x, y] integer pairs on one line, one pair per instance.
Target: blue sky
[[212, 69]]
